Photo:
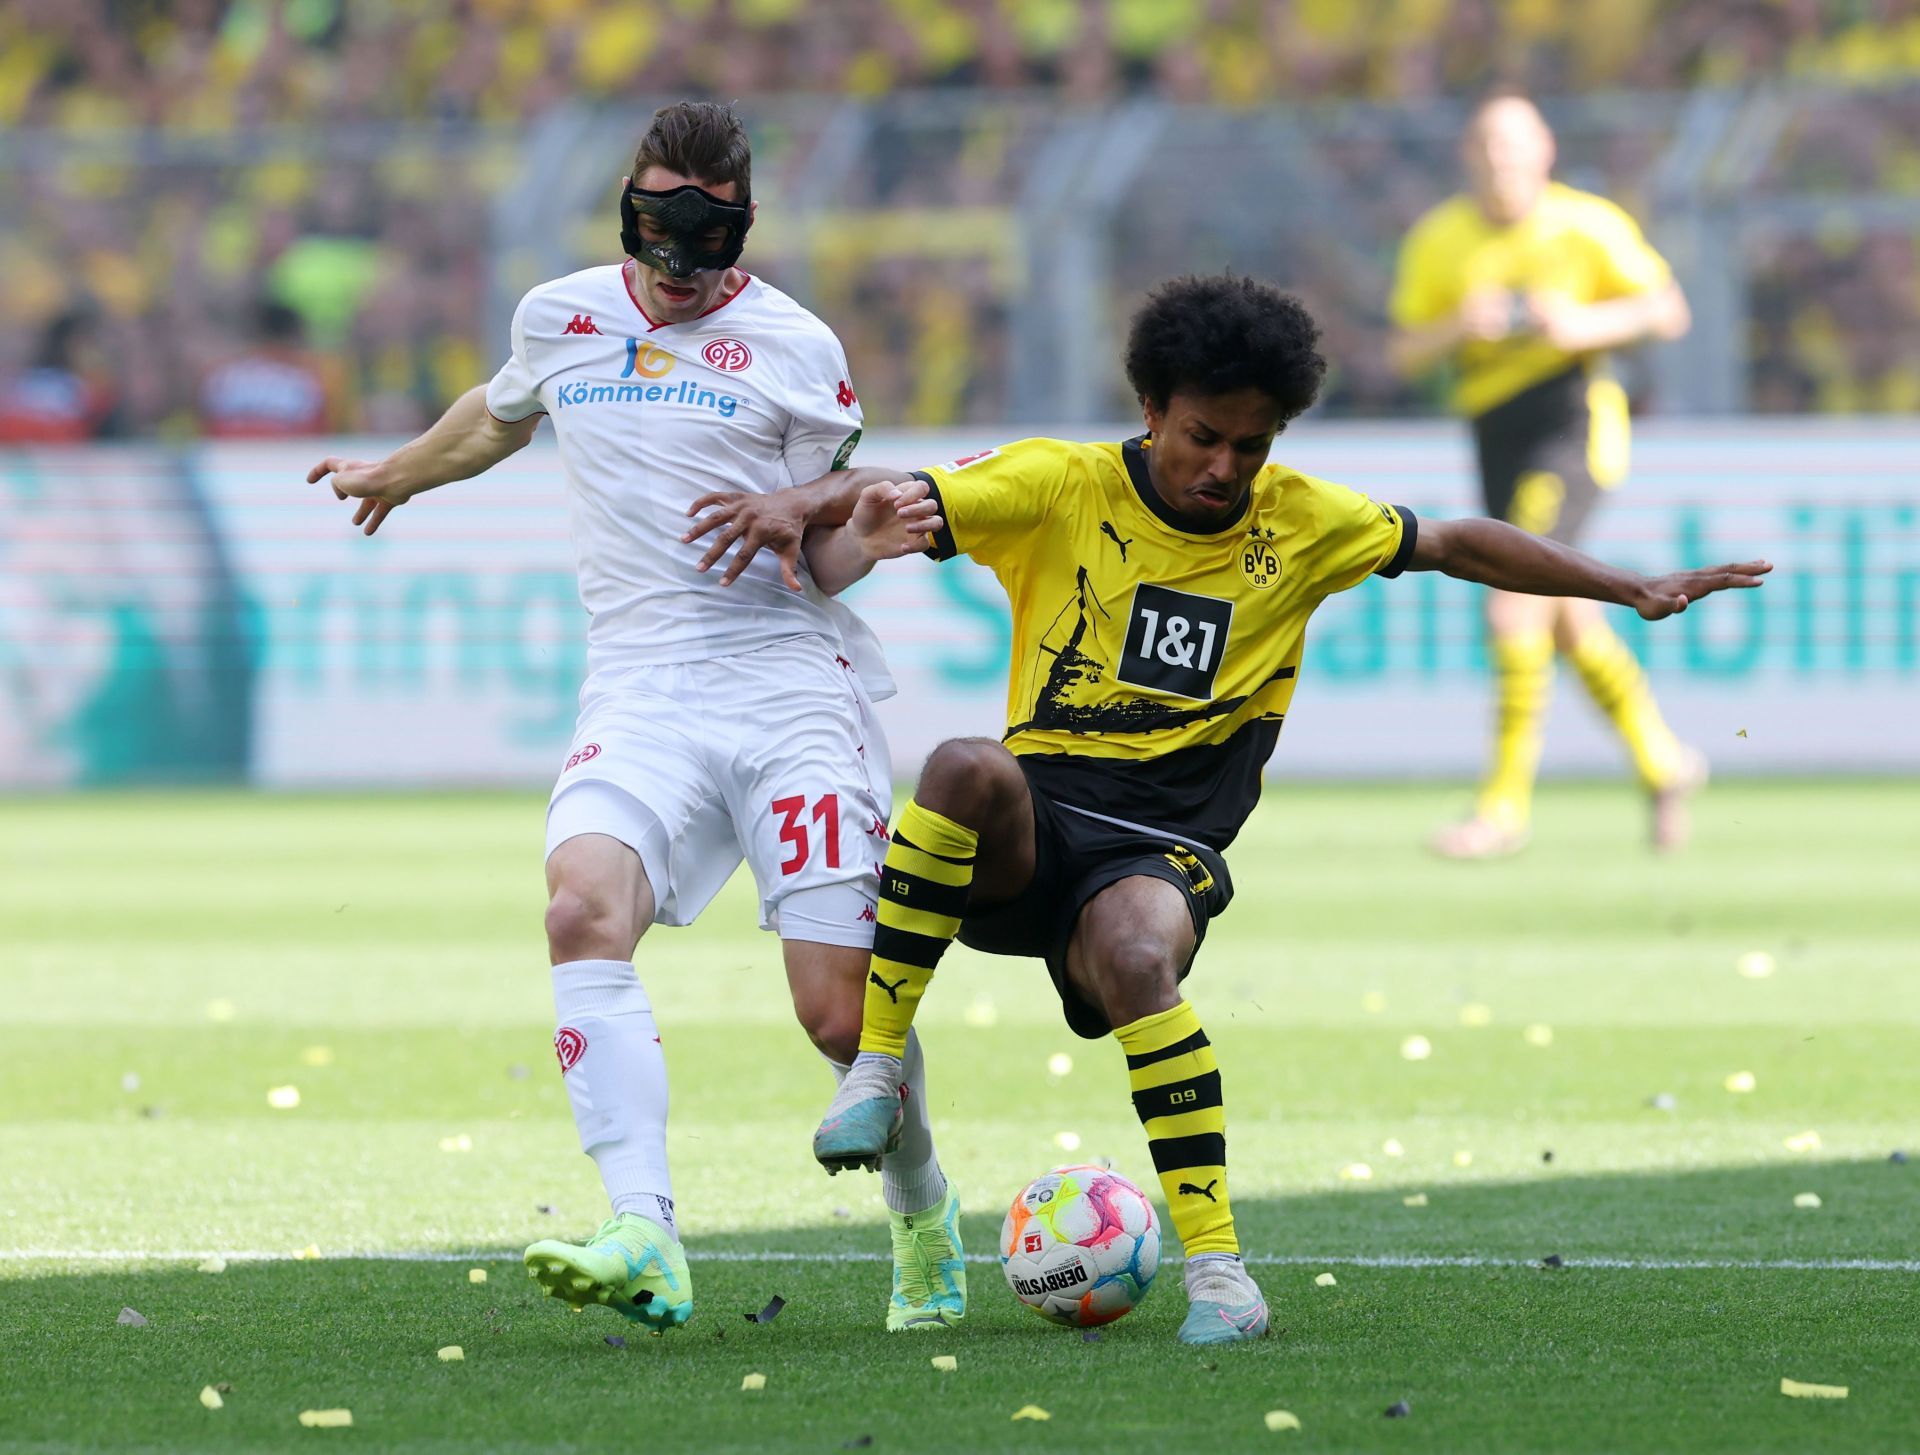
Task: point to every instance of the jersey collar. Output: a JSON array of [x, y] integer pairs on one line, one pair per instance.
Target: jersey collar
[[1134, 453]]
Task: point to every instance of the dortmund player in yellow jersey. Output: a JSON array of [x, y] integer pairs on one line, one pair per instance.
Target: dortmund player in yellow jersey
[[1524, 285], [1160, 592]]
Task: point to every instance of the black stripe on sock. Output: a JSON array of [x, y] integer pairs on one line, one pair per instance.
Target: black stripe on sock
[[1175, 1154], [920, 893], [900, 838], [1177, 1096], [1166, 1053], [904, 947]]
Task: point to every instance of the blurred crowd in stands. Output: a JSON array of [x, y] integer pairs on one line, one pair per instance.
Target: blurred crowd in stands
[[236, 282]]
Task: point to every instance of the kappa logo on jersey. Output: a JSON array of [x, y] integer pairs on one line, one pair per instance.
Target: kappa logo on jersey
[[728, 355], [586, 754], [866, 915], [569, 1046], [966, 460], [582, 323], [879, 831], [845, 395]]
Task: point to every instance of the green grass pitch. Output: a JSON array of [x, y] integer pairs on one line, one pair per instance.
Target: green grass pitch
[[167, 959]]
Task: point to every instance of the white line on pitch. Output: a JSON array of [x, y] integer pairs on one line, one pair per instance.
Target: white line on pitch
[[734, 1255]]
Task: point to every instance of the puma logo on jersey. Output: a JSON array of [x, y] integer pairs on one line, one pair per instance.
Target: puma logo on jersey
[[1107, 530], [582, 323], [893, 990], [1187, 1189]]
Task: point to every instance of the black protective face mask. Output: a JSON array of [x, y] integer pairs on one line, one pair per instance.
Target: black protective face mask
[[686, 214]]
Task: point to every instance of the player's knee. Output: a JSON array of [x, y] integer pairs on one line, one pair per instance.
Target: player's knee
[[967, 779], [1138, 976], [833, 1028], [582, 926]]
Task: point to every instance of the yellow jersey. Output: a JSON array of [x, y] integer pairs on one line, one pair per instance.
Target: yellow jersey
[[1572, 243], [1153, 662]]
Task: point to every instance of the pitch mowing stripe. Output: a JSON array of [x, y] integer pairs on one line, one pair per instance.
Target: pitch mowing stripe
[[734, 1255]]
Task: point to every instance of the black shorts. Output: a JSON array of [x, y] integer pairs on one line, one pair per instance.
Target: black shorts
[[1075, 857], [1534, 456]]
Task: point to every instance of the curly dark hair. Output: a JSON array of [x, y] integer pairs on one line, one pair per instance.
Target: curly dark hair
[[1215, 335]]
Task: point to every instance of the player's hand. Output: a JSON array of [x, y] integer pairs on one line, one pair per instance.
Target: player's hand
[[1561, 321], [776, 522], [1663, 596], [891, 519], [1486, 315], [365, 481]]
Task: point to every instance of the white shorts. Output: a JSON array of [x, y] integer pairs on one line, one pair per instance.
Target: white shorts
[[774, 756]]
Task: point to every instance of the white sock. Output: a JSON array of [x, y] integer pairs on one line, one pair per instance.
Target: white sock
[[910, 1177], [616, 1078]]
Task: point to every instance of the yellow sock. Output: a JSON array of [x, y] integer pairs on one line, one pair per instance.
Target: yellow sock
[[1619, 689], [1523, 677], [923, 894], [1176, 1093]]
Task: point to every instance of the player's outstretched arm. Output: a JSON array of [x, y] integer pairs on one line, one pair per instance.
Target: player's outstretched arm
[[890, 519], [778, 522], [466, 441], [1496, 554]]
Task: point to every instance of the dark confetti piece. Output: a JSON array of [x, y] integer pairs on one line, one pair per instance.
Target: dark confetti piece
[[1898, 1156], [1553, 1260], [768, 1314], [1546, 1156], [1090, 1336], [1398, 1410], [858, 1442], [544, 1207], [616, 1341]]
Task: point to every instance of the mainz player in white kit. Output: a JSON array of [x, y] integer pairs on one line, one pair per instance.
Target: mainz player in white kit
[[718, 721]]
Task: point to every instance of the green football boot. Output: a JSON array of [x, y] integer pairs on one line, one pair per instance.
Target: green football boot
[[929, 1268], [632, 1265]]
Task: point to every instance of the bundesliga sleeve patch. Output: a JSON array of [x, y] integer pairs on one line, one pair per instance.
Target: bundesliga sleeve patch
[[966, 460]]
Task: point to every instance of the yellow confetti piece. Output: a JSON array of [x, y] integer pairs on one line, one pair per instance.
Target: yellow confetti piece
[[1278, 1420], [1031, 1412], [1741, 733], [1373, 1002], [1392, 1148], [326, 1419], [1415, 1199], [283, 1098], [451, 1354], [1806, 1199], [220, 1010], [1324, 1280], [476, 1275], [1740, 1082], [1794, 1389], [1538, 1035], [317, 1056], [215, 1264], [753, 1381], [1067, 1141], [1755, 965], [982, 1013], [210, 1397], [1059, 1064], [1357, 1172], [1803, 1142], [1416, 1048], [945, 1363], [306, 1254], [1476, 1014], [461, 1143], [1463, 1158]]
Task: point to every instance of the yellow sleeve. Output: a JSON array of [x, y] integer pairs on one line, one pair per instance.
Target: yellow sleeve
[[1628, 263], [1425, 284], [1355, 536], [992, 502]]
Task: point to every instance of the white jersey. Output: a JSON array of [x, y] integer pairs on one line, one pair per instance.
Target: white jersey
[[753, 395]]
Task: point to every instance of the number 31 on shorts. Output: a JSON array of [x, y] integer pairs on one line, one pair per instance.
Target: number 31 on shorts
[[793, 815]]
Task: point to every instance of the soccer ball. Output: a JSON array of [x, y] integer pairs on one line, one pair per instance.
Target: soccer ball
[[1080, 1246]]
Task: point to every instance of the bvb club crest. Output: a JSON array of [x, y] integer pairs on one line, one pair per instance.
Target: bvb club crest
[[1259, 561]]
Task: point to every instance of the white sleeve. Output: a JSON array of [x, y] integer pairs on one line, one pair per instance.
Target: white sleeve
[[510, 395], [823, 422]]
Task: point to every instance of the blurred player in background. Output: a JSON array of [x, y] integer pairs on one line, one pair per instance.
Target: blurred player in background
[[714, 725], [1160, 592], [1524, 285]]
